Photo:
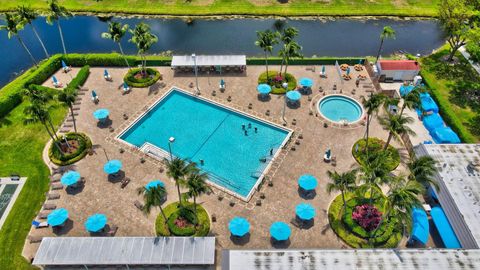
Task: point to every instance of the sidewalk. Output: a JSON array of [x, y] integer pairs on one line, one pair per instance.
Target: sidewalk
[[465, 54]]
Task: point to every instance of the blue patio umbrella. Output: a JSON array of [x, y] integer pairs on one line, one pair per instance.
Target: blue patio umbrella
[[64, 65], [307, 182], [294, 95], [280, 231], [154, 183], [264, 88], [95, 222], [112, 166], [57, 217], [70, 178], [360, 61], [54, 79], [306, 82], [101, 114], [239, 226], [305, 211]]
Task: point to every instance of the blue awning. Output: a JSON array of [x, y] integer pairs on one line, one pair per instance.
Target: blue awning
[[444, 228], [432, 121], [428, 105], [445, 135], [420, 227]]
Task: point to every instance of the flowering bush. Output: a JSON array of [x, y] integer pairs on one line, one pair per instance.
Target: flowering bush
[[367, 216]]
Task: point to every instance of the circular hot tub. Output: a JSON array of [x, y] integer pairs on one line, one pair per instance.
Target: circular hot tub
[[340, 109]]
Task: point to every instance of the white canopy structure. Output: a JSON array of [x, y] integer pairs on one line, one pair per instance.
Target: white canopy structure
[[114, 251], [209, 60]]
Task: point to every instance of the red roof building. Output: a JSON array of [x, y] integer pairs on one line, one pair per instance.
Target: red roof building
[[398, 70], [399, 65]]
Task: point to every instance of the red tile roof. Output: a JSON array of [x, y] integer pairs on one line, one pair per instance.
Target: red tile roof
[[399, 65]]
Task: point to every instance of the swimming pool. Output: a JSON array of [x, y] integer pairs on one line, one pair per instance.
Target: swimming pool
[[339, 108], [207, 131]]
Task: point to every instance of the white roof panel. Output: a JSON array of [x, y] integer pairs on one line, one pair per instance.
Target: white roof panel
[[209, 60], [126, 251]]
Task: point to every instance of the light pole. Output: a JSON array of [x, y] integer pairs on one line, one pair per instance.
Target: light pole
[[285, 85], [170, 141], [196, 75]]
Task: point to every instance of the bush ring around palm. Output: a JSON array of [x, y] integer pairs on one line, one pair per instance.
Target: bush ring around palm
[[169, 229], [390, 238], [81, 147], [375, 145], [134, 79], [277, 86]]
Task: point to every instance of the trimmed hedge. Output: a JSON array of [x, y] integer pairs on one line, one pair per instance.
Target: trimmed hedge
[[99, 59], [79, 80], [177, 231], [162, 228], [375, 144], [84, 143], [153, 76], [277, 87], [305, 61]]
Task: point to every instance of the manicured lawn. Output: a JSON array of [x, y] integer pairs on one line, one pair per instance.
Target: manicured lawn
[[21, 149], [246, 7], [449, 86]]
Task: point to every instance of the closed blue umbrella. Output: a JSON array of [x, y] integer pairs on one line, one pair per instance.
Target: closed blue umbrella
[[125, 85], [307, 182], [70, 178], [239, 226], [264, 88], [155, 183], [294, 95], [54, 79], [113, 166], [101, 114], [306, 82], [280, 231], [305, 211], [348, 70], [323, 69], [95, 222], [105, 73], [64, 65], [57, 217]]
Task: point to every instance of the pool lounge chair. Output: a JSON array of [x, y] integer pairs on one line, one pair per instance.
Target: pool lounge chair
[[113, 230], [39, 225], [49, 206], [56, 186], [53, 196], [139, 205], [34, 239], [43, 215]]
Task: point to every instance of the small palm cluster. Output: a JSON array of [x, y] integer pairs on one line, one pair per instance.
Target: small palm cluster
[[367, 216], [267, 39]]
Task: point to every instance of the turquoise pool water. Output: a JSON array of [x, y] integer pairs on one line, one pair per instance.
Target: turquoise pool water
[[339, 108], [205, 131]]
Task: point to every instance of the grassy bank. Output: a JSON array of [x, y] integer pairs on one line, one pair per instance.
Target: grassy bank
[[449, 85], [21, 147], [424, 8]]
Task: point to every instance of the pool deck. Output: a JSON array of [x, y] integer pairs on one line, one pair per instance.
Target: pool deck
[[103, 196]]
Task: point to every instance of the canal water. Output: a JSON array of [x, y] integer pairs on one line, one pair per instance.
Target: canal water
[[341, 37]]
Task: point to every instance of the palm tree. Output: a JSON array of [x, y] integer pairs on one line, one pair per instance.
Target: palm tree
[[342, 182], [144, 40], [41, 97], [387, 32], [12, 26], [411, 100], [152, 197], [371, 105], [55, 12], [178, 169], [27, 15], [289, 51], [401, 199], [396, 125], [116, 31], [67, 97], [374, 172], [266, 40], [287, 36], [196, 184], [422, 170], [38, 112]]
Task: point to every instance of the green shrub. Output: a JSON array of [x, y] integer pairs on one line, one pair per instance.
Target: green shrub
[[376, 145], [175, 230], [43, 88], [79, 80], [84, 144], [277, 85], [473, 49], [304, 61], [153, 76], [163, 229], [389, 238]]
